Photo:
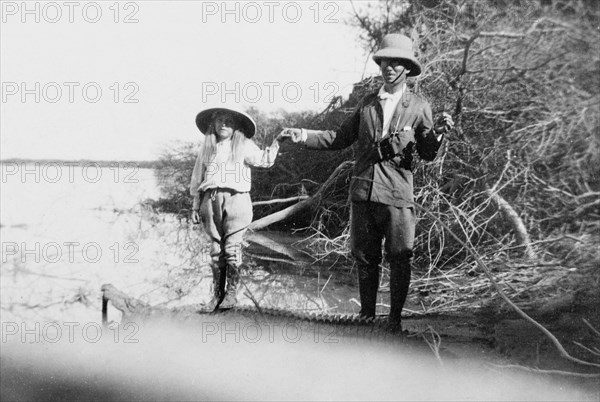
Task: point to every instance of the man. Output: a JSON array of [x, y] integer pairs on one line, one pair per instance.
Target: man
[[385, 128]]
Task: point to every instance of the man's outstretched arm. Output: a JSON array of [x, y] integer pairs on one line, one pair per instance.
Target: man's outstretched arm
[[327, 139]]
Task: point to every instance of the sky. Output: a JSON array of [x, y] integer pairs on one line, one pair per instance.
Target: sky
[[111, 80]]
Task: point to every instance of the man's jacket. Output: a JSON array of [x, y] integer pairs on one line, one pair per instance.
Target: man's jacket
[[387, 182]]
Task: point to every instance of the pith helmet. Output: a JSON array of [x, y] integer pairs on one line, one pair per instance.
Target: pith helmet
[[397, 46]]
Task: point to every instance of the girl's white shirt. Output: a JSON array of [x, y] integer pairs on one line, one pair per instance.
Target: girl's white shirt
[[221, 172]]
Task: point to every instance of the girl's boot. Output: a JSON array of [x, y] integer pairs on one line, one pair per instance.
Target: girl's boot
[[233, 278], [218, 286]]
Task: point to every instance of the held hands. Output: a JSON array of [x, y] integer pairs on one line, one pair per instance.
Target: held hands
[[294, 134], [443, 124]]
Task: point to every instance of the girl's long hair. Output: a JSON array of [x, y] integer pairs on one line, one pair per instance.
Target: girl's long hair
[[209, 147]]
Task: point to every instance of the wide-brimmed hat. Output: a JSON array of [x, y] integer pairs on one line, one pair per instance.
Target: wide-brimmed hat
[[205, 117], [396, 46]]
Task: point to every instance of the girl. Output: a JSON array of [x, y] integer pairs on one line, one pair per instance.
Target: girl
[[220, 186]]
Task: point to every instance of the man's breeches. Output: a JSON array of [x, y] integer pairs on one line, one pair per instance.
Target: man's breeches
[[226, 215], [370, 224]]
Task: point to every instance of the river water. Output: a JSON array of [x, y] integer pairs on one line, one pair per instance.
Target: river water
[[66, 230]]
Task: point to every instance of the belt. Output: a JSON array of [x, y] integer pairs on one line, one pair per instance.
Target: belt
[[213, 191]]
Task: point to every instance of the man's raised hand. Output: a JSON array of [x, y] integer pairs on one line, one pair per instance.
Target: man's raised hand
[[443, 124]]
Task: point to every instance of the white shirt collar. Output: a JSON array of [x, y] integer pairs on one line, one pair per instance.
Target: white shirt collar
[[383, 94]]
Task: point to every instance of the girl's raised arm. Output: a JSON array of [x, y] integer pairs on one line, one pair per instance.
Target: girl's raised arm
[[257, 157]]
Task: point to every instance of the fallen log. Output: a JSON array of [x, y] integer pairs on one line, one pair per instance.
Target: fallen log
[[300, 206], [280, 200]]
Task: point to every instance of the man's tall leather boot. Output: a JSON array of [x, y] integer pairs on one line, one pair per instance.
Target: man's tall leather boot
[[399, 284], [368, 283], [233, 278]]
